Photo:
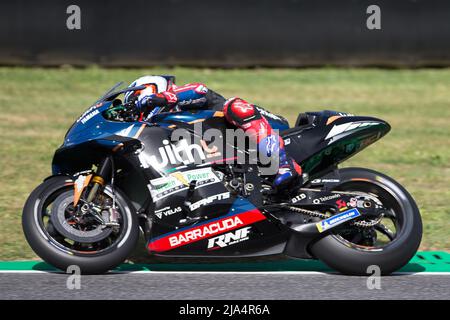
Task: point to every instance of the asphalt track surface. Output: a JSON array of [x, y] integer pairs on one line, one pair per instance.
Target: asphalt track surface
[[195, 285], [426, 276]]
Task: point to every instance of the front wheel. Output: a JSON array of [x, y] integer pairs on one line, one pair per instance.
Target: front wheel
[[388, 245], [58, 240]]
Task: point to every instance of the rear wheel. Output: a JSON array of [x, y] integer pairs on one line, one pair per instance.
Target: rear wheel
[[62, 242], [390, 244]]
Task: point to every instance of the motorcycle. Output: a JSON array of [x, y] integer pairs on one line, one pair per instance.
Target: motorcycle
[[117, 176]]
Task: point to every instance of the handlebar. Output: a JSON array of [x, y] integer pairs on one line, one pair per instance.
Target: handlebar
[[130, 112]]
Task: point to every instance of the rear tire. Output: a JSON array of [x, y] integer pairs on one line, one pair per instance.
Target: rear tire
[[45, 246], [355, 261]]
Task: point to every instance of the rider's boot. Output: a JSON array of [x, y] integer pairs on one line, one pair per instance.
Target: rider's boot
[[289, 171]]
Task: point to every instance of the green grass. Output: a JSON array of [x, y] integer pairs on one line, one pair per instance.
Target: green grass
[[38, 105]]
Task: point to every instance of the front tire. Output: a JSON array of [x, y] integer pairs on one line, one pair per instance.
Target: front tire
[[350, 259], [44, 244]]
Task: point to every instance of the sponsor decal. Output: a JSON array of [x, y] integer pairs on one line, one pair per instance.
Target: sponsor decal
[[205, 231], [167, 211], [326, 198], [163, 187], [178, 181], [229, 238], [180, 177], [197, 175], [337, 219], [192, 101], [341, 204], [206, 201], [298, 198], [182, 153], [89, 113], [316, 181], [88, 117], [268, 114]]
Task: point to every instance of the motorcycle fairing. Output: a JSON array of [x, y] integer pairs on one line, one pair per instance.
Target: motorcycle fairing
[[92, 131], [174, 202], [91, 138], [307, 144], [210, 237], [330, 138]]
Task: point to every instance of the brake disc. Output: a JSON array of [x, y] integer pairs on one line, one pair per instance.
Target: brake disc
[[60, 220]]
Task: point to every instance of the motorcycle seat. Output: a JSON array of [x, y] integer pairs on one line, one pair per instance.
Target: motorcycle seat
[[303, 122]]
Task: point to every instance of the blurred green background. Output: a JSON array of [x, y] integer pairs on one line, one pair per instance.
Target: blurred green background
[[37, 106]]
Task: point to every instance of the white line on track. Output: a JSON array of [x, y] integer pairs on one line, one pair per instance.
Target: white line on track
[[229, 272]]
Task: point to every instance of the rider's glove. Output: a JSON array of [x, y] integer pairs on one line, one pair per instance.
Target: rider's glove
[[158, 99], [151, 101]]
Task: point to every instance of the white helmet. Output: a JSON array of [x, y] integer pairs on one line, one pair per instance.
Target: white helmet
[[153, 84]]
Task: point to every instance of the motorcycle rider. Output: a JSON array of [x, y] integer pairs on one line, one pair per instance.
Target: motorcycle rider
[[162, 91]]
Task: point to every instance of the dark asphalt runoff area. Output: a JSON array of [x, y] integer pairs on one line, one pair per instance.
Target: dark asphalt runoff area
[[222, 285]]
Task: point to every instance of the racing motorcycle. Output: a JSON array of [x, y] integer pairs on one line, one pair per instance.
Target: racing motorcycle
[[117, 176]]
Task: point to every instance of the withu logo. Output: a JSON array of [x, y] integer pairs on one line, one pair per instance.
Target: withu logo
[[182, 153]]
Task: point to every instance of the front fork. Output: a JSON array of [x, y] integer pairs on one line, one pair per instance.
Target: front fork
[[103, 174], [97, 180]]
